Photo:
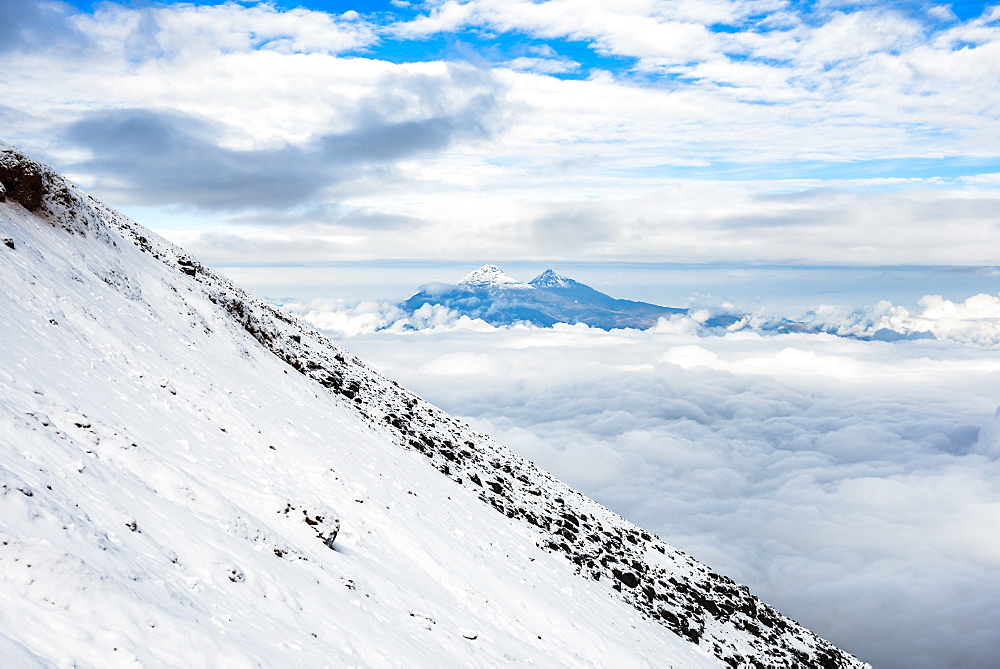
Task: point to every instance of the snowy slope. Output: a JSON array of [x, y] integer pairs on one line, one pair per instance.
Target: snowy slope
[[175, 455]]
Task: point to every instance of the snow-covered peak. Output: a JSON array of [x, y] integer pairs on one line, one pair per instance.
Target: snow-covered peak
[[549, 279], [491, 275]]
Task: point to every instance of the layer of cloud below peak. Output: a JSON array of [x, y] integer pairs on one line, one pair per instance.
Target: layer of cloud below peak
[[973, 322], [850, 483]]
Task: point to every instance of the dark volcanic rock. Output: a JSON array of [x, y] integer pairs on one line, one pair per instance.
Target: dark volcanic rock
[[22, 179]]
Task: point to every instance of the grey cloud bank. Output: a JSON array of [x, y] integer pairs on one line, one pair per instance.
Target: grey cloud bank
[[27, 24], [164, 157]]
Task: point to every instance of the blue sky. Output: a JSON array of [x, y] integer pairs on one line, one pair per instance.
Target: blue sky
[[492, 130]]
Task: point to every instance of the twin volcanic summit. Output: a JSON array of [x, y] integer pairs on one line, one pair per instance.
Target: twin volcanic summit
[[191, 477], [492, 296], [549, 298]]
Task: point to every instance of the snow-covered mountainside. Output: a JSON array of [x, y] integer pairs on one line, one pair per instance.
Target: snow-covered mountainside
[[189, 477]]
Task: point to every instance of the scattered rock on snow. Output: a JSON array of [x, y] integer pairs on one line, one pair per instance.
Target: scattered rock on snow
[[234, 573], [425, 621], [41, 418], [323, 520]]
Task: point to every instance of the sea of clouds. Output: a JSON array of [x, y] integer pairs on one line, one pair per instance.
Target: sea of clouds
[[853, 484], [972, 322]]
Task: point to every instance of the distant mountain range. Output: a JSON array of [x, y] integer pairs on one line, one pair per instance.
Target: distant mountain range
[[549, 298], [493, 296]]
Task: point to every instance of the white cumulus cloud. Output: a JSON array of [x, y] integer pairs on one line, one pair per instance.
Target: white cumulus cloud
[[974, 321]]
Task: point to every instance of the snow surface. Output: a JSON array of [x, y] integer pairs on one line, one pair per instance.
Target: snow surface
[[492, 276], [549, 279], [177, 457], [150, 450]]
